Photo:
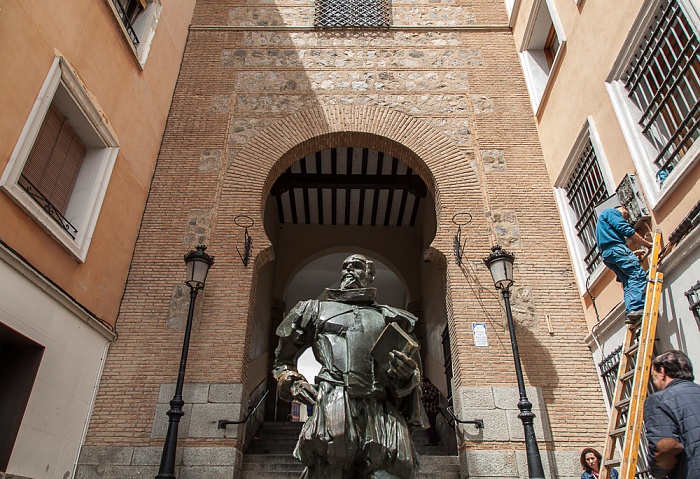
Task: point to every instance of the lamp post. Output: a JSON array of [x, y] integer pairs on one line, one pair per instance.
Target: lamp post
[[500, 263], [198, 263]]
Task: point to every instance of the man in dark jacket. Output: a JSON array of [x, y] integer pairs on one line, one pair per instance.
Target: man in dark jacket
[[672, 418]]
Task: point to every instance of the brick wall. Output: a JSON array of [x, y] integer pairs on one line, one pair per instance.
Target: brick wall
[[258, 90]]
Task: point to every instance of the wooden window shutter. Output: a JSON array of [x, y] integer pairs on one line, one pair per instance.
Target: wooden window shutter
[[55, 160]]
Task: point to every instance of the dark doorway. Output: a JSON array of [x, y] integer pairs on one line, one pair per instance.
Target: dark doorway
[[19, 362]]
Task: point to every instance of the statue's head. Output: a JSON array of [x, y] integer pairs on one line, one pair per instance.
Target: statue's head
[[358, 272]]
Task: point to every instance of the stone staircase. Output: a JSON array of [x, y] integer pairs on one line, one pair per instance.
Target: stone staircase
[[269, 456]]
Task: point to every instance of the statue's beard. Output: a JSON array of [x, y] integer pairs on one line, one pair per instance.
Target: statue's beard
[[351, 281]]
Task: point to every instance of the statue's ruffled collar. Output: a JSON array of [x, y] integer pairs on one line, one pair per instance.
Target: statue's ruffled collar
[[356, 296]]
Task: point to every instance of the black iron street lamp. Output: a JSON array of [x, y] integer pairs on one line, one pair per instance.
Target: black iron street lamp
[[198, 264], [500, 263]]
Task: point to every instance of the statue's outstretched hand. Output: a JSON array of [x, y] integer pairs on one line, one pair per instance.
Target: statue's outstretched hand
[[303, 392], [401, 367]]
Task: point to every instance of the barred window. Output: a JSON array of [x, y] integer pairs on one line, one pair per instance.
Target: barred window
[[585, 189], [662, 79], [129, 11], [352, 13]]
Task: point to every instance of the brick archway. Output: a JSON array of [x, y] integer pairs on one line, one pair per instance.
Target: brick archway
[[445, 168]]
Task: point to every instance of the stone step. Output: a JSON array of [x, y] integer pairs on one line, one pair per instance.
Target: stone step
[[283, 466]]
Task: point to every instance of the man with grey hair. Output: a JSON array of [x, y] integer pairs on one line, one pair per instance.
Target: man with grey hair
[[361, 416], [672, 418]]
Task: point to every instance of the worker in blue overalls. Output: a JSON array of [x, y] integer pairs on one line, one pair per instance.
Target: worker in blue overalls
[[612, 231]]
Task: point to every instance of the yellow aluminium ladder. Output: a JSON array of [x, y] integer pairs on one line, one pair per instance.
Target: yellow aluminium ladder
[[633, 378]]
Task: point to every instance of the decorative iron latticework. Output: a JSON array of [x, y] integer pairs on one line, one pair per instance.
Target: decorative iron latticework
[[352, 14], [47, 206], [126, 20], [693, 295]]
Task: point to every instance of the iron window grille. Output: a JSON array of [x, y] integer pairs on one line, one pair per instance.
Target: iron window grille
[[693, 295], [352, 14], [584, 190], [128, 11], [609, 367], [663, 81]]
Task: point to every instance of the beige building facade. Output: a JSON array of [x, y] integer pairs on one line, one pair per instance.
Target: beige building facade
[[614, 90], [86, 89]]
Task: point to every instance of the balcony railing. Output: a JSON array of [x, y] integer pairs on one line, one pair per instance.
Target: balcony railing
[[121, 11], [47, 206]]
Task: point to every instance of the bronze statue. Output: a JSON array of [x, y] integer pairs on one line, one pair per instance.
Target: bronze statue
[[361, 416]]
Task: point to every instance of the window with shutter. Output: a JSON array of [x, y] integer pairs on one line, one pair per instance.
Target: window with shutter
[[52, 167], [60, 167]]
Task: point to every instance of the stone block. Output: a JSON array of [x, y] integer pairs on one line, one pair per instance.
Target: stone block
[[495, 425], [96, 455], [477, 397], [191, 393], [160, 421], [210, 160], [205, 418], [494, 160], [515, 426], [116, 472], [226, 393], [557, 464], [207, 472], [483, 104], [179, 309], [198, 227], [507, 397], [208, 456], [220, 103], [482, 464], [150, 456]]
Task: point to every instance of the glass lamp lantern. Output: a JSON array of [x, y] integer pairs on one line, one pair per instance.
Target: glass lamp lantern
[[500, 264], [198, 263]]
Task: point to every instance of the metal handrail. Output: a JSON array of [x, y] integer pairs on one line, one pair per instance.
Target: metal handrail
[[478, 423], [251, 410]]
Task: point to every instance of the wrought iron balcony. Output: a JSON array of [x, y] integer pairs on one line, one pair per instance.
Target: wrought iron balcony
[[47, 206], [126, 22]]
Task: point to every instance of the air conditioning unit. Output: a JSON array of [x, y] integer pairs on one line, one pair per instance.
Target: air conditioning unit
[[631, 196], [628, 194]]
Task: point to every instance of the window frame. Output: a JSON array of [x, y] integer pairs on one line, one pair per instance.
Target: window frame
[[62, 84], [144, 26], [640, 147], [566, 213], [539, 82]]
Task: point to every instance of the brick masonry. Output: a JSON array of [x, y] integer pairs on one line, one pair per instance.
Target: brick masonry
[[254, 95]]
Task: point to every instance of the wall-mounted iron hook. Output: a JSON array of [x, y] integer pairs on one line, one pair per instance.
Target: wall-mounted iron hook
[[460, 219], [245, 221]]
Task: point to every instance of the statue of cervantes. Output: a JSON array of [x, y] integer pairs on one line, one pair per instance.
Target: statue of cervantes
[[362, 406]]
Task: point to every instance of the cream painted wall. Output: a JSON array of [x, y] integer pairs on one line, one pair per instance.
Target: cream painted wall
[[595, 34], [55, 420], [136, 103]]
